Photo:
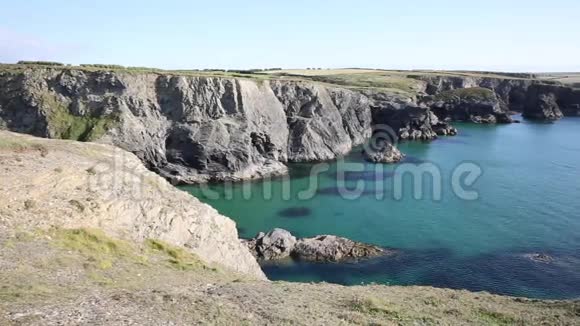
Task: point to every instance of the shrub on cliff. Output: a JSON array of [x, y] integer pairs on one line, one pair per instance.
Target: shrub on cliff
[[40, 63], [96, 65]]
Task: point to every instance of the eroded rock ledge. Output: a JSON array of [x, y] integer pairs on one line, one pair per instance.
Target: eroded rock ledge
[[280, 243]]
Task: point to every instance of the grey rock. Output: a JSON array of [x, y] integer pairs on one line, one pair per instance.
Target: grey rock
[[409, 121], [383, 153], [330, 248], [323, 122], [541, 104], [200, 129], [190, 129], [536, 99], [477, 105], [279, 244], [276, 244]]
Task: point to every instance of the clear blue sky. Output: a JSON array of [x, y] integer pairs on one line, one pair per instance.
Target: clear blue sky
[[515, 35]]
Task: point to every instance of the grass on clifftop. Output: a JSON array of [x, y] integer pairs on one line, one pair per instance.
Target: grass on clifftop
[[103, 251], [475, 93], [371, 80], [247, 74], [177, 257], [65, 125], [100, 250]]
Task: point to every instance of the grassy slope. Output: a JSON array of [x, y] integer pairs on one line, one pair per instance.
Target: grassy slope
[[70, 275]]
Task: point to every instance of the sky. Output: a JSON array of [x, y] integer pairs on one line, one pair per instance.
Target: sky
[[494, 35]]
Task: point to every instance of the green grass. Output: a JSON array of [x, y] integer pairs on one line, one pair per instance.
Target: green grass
[[65, 125], [378, 80], [177, 257], [475, 93], [11, 292], [41, 63], [375, 306], [21, 145], [254, 75], [100, 250], [496, 318]]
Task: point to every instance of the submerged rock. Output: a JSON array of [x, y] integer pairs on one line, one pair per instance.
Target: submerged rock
[[539, 258], [295, 212], [279, 244]]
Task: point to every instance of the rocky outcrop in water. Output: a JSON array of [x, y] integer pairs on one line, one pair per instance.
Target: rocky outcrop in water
[[384, 152], [279, 243], [276, 244], [330, 248]]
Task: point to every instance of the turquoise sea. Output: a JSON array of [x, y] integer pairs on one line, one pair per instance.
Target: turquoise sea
[[528, 201]]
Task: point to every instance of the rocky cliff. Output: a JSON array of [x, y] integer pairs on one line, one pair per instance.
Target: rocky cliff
[[48, 183], [193, 129], [535, 99], [189, 129]]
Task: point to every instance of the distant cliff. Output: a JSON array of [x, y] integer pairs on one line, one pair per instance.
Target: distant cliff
[[535, 99], [193, 129]]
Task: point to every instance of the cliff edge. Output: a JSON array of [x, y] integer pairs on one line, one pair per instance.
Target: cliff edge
[[66, 184]]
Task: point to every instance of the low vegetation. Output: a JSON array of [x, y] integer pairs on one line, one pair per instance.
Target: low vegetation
[[177, 257], [20, 145], [375, 306], [371, 80], [475, 93], [60, 276], [103, 66], [41, 63], [64, 125], [101, 251]]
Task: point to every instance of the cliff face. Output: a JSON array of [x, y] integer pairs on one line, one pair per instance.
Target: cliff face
[[47, 183], [542, 100], [197, 129], [189, 129]]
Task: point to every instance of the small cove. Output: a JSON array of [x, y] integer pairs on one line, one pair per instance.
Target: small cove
[[528, 202]]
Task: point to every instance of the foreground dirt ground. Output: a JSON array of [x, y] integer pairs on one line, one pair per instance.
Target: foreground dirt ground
[[83, 277]]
